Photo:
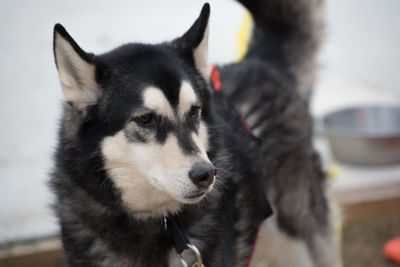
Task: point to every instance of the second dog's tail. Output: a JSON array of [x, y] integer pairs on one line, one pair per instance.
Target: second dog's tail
[[287, 34]]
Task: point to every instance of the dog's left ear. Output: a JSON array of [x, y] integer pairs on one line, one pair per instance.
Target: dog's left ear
[[195, 41], [76, 69]]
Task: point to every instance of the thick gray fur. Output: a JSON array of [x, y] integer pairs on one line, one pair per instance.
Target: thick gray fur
[[270, 87]]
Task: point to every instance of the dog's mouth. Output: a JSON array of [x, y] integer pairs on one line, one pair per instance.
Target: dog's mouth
[[196, 195]]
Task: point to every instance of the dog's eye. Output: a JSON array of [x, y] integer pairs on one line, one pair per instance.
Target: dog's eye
[[194, 111], [144, 119]]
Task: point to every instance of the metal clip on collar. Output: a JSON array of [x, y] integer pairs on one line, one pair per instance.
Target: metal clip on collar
[[196, 252], [177, 235]]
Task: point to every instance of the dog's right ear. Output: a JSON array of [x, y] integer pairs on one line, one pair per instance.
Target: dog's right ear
[[195, 41], [76, 70]]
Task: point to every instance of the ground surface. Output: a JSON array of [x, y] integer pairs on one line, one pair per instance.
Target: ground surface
[[363, 241]]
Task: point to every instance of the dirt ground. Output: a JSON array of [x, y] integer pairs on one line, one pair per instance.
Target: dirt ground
[[363, 240]]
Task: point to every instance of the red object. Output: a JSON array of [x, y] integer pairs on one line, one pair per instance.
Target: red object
[[216, 81], [252, 250], [391, 249], [245, 125], [215, 78]]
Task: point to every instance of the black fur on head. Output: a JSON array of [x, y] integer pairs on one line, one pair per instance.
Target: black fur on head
[[188, 53]]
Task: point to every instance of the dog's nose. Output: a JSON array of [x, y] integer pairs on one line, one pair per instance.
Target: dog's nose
[[202, 174]]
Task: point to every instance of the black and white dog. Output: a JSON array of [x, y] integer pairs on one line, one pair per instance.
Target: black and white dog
[[151, 160]]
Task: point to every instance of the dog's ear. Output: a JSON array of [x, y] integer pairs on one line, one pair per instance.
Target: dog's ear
[[76, 70], [195, 41]]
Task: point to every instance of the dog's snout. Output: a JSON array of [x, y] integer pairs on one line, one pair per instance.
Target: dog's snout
[[202, 174]]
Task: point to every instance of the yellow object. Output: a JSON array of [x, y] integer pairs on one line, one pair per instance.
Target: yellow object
[[337, 227], [333, 171], [244, 35]]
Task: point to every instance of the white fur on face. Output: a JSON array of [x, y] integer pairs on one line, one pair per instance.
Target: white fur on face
[[187, 98], [123, 165], [76, 75], [153, 178], [201, 140], [154, 99]]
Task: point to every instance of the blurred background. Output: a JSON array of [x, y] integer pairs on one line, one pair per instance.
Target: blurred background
[[359, 66]]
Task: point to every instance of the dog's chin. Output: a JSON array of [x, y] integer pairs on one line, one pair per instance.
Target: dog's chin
[[194, 197]]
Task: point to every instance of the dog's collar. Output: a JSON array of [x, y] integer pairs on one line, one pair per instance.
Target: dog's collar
[[176, 235]]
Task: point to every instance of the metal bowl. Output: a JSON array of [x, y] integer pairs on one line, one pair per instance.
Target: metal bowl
[[365, 135]]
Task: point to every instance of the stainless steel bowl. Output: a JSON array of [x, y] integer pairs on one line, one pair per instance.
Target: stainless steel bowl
[[365, 135]]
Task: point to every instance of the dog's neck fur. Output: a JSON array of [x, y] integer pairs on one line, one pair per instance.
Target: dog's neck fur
[[113, 232]]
